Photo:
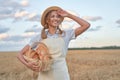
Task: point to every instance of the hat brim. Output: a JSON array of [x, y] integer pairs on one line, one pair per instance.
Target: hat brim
[[46, 12]]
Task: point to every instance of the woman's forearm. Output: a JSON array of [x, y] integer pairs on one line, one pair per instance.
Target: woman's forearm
[[84, 25], [79, 20], [20, 55]]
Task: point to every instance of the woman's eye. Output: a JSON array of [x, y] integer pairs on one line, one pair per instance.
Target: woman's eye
[[52, 16], [55, 16], [59, 16]]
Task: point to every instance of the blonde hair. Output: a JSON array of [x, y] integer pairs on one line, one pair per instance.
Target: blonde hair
[[46, 26]]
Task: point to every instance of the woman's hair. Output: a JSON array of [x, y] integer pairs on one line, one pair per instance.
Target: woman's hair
[[43, 33]]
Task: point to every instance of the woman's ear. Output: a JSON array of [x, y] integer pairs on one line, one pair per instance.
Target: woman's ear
[[61, 21], [47, 21]]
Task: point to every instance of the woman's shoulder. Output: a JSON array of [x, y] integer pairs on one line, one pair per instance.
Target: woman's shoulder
[[69, 34], [36, 37], [68, 31]]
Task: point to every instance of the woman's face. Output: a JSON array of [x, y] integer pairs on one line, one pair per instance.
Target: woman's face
[[54, 20]]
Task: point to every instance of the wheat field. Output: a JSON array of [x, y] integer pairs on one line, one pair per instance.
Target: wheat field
[[82, 64]]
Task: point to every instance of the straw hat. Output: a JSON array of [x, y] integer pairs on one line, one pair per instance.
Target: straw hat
[[46, 12]]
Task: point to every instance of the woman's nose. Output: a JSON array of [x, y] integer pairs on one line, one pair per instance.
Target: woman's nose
[[56, 18]]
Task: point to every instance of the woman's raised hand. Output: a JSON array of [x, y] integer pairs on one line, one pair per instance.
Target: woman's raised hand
[[62, 13]]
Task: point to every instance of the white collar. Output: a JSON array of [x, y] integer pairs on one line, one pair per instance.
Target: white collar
[[49, 33]]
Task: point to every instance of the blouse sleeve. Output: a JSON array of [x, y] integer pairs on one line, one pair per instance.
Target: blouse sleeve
[[34, 41], [70, 34]]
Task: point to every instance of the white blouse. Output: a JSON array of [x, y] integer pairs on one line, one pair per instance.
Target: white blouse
[[67, 36]]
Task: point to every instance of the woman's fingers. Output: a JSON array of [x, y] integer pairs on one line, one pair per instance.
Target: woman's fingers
[[34, 65], [62, 13], [35, 68]]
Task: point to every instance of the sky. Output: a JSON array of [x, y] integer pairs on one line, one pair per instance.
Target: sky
[[20, 21]]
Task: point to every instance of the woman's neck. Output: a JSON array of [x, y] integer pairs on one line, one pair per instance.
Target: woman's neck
[[52, 30]]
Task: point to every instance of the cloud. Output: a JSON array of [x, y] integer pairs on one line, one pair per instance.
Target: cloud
[[95, 29], [13, 4], [17, 38], [3, 35], [28, 34], [14, 42], [35, 28], [9, 3], [65, 26], [20, 15], [24, 3], [72, 12], [76, 26], [33, 17], [8, 8], [3, 29], [5, 13], [12, 46], [14, 38], [118, 21], [92, 18]]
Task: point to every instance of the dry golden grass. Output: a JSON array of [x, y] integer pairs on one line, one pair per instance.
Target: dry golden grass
[[82, 64]]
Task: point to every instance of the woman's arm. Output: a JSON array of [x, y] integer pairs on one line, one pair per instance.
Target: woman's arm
[[30, 65], [20, 55], [84, 25]]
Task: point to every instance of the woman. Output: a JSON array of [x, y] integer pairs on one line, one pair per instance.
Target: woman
[[57, 42]]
